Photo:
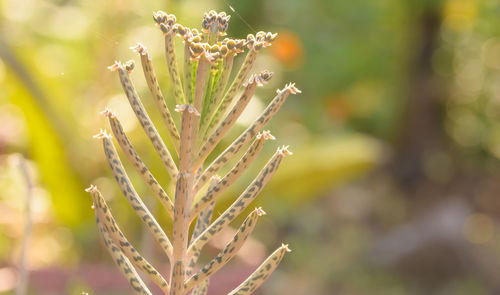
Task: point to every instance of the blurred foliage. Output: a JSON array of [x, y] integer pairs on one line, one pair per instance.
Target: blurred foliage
[[357, 63]]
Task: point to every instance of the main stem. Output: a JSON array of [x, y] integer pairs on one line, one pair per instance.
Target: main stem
[[183, 191]]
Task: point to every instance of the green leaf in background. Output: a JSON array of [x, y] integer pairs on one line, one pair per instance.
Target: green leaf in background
[[324, 165], [48, 151], [316, 168]]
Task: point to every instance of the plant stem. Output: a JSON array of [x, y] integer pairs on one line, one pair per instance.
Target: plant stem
[[22, 282], [183, 191]]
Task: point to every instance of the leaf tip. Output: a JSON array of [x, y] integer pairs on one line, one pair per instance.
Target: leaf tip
[[266, 134], [260, 212], [216, 178], [283, 151], [180, 108], [108, 113], [115, 66], [260, 79], [164, 21], [186, 107], [285, 247], [92, 188], [102, 134], [129, 66], [140, 49], [290, 88]]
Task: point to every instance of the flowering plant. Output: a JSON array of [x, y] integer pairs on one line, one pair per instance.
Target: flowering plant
[[205, 102]]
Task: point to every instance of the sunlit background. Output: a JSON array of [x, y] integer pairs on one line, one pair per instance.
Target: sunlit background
[[394, 187]]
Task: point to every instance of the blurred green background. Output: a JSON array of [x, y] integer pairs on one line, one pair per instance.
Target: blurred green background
[[394, 186]]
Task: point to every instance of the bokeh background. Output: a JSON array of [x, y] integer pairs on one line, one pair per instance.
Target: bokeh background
[[394, 187]]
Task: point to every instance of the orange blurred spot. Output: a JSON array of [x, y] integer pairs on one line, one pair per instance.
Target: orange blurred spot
[[287, 48]]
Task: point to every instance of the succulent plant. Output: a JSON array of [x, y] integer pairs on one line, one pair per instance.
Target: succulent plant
[[207, 109]]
